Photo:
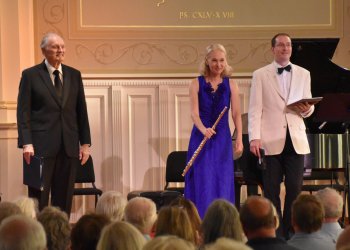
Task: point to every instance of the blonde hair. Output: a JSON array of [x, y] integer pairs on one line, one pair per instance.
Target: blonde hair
[[121, 235], [168, 242], [204, 67], [28, 206]]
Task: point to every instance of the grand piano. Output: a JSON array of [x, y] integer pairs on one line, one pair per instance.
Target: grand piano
[[328, 143]]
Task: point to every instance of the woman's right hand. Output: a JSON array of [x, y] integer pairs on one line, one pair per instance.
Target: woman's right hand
[[209, 132]]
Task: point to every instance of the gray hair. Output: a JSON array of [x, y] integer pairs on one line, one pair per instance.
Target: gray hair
[[7, 209], [46, 38], [332, 202], [142, 213], [19, 232], [111, 204]]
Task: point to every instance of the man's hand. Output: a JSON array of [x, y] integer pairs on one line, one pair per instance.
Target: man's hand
[[28, 151], [84, 153], [255, 146], [301, 107]]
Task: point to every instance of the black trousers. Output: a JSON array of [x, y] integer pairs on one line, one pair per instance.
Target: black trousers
[[58, 177], [288, 167]]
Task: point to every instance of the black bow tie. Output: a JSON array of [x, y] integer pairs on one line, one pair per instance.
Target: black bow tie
[[280, 70]]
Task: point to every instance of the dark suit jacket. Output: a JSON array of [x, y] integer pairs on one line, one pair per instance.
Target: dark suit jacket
[[45, 121]]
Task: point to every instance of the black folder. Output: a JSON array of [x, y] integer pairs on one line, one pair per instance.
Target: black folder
[[32, 173]]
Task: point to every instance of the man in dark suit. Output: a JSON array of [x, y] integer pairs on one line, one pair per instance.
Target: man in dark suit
[[53, 123]]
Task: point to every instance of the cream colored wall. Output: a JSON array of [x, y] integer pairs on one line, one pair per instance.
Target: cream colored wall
[[136, 78]]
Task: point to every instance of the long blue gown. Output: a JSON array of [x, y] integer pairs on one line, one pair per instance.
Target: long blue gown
[[211, 175]]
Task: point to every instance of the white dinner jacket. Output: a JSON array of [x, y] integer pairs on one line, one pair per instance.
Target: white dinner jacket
[[268, 115]]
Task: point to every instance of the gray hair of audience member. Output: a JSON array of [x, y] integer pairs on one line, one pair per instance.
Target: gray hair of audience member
[[87, 231], [142, 213], [257, 213], [28, 206], [57, 228], [111, 204], [332, 202], [19, 232], [7, 209], [307, 213], [221, 220], [168, 242], [227, 244], [121, 235], [204, 67]]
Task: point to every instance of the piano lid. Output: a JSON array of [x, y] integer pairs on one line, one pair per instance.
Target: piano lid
[[315, 55]]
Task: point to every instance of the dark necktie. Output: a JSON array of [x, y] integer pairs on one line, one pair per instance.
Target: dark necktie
[[287, 68], [58, 83]]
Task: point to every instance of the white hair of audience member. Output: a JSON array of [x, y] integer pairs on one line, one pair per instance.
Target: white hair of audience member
[[111, 204], [19, 232], [227, 244], [142, 213], [28, 206], [168, 242], [7, 209], [121, 235], [332, 202]]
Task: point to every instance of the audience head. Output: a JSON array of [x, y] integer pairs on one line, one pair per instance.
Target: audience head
[[111, 204], [221, 220], [7, 209], [121, 235], [168, 242], [19, 232], [259, 217], [142, 213], [57, 228], [86, 232], [205, 65], [307, 214], [332, 203], [28, 206], [227, 244], [174, 221], [343, 242]]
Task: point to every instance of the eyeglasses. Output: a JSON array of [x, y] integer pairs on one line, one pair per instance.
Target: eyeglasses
[[282, 45]]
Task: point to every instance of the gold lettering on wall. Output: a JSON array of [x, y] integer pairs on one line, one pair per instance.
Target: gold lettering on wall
[[206, 14]]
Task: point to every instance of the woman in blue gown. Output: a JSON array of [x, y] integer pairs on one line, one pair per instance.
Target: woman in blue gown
[[211, 175]]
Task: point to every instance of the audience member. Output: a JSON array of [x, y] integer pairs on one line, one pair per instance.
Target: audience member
[[332, 203], [260, 221], [192, 213], [343, 242], [174, 221], [28, 206], [86, 232], [307, 218], [221, 220], [111, 204], [19, 232], [7, 209], [168, 242], [57, 228], [121, 235], [141, 213], [227, 244]]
